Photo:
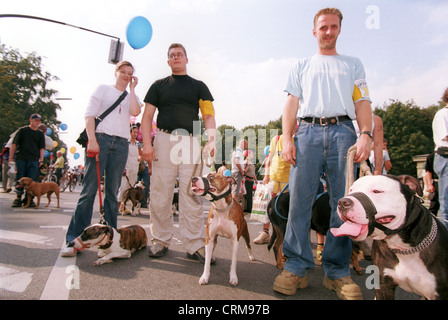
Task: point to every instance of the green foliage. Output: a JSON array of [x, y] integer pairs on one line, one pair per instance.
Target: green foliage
[[24, 90], [408, 130]]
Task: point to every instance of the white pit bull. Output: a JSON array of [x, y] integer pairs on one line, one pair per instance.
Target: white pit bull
[[411, 245]]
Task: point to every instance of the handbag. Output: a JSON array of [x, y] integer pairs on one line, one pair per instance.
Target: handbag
[[83, 138], [262, 197]]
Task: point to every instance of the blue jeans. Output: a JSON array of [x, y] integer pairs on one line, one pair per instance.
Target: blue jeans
[[318, 147], [113, 156], [441, 168], [26, 168], [144, 176]]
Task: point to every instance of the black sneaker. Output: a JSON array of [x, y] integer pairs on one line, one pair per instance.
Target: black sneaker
[[32, 204], [17, 203], [200, 256], [158, 250]]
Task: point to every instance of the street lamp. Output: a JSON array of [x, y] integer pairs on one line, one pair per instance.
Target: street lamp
[[116, 47]]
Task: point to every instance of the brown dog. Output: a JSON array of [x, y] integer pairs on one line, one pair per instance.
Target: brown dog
[[135, 195], [225, 219], [37, 189]]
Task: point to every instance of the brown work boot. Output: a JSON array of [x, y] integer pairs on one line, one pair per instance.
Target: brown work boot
[[345, 288], [288, 283]]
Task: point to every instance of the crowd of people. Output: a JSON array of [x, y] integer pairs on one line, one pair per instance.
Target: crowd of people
[[327, 110]]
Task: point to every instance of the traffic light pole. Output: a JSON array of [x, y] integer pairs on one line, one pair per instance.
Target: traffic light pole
[[116, 58]]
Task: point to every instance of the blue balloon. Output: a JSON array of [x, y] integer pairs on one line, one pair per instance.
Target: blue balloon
[[266, 150], [76, 155], [48, 131], [139, 32], [63, 127], [46, 153], [227, 173]]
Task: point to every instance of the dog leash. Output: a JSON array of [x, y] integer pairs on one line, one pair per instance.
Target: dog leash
[[350, 175], [97, 160], [102, 220], [207, 160], [276, 200]]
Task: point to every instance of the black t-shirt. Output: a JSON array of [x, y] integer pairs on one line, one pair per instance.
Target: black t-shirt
[[177, 99], [28, 144]]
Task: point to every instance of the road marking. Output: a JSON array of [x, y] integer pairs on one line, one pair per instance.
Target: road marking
[[54, 227], [35, 210], [22, 236], [14, 280], [56, 288]]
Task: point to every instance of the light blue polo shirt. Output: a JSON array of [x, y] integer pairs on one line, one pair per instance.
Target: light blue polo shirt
[[328, 86]]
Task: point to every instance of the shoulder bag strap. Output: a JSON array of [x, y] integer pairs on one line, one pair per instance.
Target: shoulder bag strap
[[111, 108]]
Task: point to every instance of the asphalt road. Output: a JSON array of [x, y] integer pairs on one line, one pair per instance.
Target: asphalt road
[[31, 267]]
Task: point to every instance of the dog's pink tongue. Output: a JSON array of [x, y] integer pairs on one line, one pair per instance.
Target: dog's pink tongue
[[347, 229]]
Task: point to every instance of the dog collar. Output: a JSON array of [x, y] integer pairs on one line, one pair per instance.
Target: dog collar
[[224, 209], [207, 191], [108, 242], [422, 245]]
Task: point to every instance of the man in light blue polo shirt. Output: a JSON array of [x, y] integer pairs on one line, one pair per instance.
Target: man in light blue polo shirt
[[326, 91]]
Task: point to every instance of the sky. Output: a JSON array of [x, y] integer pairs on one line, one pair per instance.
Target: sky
[[242, 49]]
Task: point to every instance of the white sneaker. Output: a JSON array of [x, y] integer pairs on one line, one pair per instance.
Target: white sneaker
[[69, 252], [263, 238]]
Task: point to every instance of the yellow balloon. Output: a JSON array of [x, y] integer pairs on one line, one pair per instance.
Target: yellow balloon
[[73, 150], [55, 144], [63, 150]]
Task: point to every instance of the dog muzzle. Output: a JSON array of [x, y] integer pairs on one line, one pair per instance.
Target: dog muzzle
[[207, 191], [371, 212]]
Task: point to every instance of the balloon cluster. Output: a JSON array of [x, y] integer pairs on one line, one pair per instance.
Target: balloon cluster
[[153, 129], [62, 126], [75, 154]]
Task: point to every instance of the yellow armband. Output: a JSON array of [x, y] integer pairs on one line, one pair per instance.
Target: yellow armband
[[206, 107], [361, 91]]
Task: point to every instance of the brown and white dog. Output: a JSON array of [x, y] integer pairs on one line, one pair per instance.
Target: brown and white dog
[[38, 189], [225, 219], [135, 195], [410, 245], [113, 243]]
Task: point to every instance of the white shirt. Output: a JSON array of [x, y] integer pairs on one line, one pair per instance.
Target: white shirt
[[440, 128], [117, 122], [132, 162], [238, 153]]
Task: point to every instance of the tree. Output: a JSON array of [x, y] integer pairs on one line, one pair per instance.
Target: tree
[[408, 130], [24, 90]]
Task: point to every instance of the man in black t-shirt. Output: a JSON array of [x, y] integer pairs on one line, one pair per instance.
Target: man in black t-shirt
[[27, 151], [176, 153]]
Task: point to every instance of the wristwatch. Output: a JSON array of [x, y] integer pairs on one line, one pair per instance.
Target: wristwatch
[[368, 133]]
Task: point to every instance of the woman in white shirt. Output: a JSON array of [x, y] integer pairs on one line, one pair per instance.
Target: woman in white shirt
[[109, 144]]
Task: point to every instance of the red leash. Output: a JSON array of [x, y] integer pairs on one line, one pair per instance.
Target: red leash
[[96, 155]]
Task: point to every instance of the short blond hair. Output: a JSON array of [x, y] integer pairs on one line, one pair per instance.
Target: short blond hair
[[328, 11], [124, 63]]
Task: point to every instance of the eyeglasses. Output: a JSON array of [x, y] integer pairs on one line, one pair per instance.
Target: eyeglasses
[[176, 55]]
